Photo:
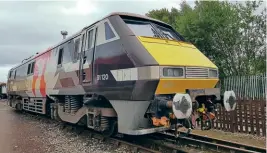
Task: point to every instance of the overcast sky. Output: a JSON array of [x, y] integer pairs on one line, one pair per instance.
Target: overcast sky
[[28, 27]]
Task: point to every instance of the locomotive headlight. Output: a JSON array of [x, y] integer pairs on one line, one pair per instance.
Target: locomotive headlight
[[170, 72], [173, 72], [213, 73], [178, 72]]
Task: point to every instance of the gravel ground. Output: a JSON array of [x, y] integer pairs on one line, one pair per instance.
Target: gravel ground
[[24, 133], [67, 141]]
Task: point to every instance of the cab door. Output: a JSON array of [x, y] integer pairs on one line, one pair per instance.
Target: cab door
[[87, 56], [82, 56]]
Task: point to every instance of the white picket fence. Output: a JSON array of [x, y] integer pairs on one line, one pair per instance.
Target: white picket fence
[[246, 87]]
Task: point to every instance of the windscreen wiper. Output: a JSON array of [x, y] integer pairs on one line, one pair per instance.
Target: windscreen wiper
[[156, 30], [156, 34], [168, 36]]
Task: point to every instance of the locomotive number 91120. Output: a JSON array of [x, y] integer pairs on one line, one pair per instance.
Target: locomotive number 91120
[[102, 77]]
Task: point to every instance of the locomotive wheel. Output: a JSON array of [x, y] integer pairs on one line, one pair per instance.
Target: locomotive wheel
[[112, 130]]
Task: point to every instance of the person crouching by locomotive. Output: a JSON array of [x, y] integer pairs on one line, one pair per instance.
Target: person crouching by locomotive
[[163, 112], [202, 106]]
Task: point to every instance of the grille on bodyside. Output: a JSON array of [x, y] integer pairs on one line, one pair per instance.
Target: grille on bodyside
[[196, 72]]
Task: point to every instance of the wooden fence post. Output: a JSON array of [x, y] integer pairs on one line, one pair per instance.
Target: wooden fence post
[[251, 117], [246, 117], [263, 117], [235, 118], [232, 121], [257, 111], [222, 119]]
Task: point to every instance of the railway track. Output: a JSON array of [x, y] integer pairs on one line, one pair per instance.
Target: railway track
[[145, 145], [164, 142], [137, 143], [167, 142], [214, 144]]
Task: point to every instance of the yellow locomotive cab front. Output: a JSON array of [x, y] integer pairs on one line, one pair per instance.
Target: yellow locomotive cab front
[[175, 53], [171, 53]]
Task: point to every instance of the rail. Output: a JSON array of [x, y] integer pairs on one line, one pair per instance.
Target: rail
[[211, 143], [138, 143], [164, 141]]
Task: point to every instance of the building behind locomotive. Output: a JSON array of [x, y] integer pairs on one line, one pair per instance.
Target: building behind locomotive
[[130, 70]]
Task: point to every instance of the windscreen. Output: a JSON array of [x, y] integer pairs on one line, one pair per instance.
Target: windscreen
[[149, 29]]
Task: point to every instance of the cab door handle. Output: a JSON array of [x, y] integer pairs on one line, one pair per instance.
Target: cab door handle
[[84, 59]]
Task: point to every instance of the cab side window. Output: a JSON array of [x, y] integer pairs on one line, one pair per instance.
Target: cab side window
[[10, 74], [90, 38], [60, 57], [108, 31], [30, 68], [76, 49], [68, 49], [15, 74]]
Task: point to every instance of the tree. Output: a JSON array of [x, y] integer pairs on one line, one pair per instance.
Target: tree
[[230, 34], [164, 15]]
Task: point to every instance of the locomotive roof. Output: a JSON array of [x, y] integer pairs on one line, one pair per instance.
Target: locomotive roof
[[79, 32], [134, 15]]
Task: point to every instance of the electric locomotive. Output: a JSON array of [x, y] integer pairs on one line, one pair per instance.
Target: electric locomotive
[[125, 73]]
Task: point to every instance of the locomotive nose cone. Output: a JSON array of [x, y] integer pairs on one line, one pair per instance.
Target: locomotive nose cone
[[182, 106], [229, 100]]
